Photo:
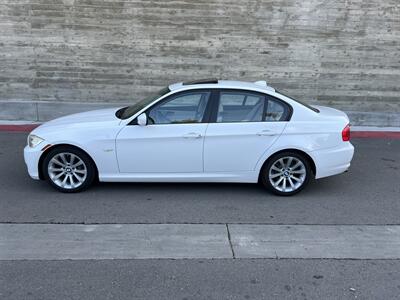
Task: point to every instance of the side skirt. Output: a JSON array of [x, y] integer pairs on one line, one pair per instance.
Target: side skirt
[[245, 177]]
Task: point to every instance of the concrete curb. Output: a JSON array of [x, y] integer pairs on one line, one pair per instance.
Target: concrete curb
[[374, 128], [19, 127], [376, 134]]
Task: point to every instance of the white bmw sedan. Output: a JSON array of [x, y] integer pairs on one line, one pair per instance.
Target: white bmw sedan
[[199, 131]]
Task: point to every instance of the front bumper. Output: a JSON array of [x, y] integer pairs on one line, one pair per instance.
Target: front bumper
[[31, 157]]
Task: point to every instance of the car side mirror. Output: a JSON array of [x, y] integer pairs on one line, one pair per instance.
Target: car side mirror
[[142, 119]]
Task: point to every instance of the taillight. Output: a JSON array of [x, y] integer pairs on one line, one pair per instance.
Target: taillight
[[346, 133]]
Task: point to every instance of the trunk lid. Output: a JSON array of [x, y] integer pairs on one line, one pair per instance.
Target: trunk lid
[[332, 113]]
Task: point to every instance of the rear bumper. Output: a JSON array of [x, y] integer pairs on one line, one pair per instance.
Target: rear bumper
[[31, 157], [333, 161]]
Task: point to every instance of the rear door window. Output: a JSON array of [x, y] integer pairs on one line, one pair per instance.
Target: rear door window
[[240, 107]]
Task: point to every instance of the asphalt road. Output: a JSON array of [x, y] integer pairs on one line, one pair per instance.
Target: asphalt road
[[368, 194]]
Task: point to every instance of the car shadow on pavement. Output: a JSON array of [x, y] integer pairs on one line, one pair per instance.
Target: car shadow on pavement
[[194, 188]]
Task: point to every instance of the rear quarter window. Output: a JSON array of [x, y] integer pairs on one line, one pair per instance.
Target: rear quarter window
[[277, 110]]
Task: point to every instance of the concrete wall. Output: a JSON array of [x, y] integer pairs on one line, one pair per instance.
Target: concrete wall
[[343, 53]]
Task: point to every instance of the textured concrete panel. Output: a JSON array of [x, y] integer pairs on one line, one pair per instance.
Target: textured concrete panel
[[316, 241], [337, 53], [143, 241], [374, 118], [18, 111], [48, 111], [129, 241]]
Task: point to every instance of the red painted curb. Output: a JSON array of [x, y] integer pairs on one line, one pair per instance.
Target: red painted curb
[[354, 134], [19, 128], [376, 134]]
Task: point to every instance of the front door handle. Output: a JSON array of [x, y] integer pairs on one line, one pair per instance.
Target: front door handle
[[266, 132], [192, 135]]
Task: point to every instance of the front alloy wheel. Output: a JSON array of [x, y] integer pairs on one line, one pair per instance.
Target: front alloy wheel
[[286, 173], [68, 169]]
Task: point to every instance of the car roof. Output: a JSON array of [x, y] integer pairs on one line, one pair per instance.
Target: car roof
[[226, 84]]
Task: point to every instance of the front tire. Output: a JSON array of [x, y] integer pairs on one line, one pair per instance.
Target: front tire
[[68, 169], [286, 173]]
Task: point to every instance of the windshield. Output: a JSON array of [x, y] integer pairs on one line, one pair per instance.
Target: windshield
[[129, 111], [298, 101]]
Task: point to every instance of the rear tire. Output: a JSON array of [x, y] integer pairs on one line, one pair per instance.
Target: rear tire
[[286, 173], [68, 169]]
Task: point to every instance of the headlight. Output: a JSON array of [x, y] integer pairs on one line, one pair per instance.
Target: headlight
[[34, 140]]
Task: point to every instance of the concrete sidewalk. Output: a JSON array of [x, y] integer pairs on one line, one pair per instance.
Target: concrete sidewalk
[[189, 241]]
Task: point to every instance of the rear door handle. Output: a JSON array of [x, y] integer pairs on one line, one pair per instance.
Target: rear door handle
[[192, 135], [266, 132]]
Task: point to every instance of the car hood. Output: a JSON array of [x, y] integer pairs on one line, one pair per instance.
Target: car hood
[[100, 115], [89, 119]]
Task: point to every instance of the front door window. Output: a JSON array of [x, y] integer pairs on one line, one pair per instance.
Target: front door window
[[181, 109]]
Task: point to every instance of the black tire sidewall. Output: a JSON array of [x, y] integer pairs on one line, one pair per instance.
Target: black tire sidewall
[[265, 172], [91, 173]]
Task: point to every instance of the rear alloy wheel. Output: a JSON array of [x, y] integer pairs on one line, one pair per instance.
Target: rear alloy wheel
[[286, 173], [68, 169]]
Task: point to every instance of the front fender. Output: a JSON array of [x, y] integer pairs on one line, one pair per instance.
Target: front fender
[[98, 144]]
